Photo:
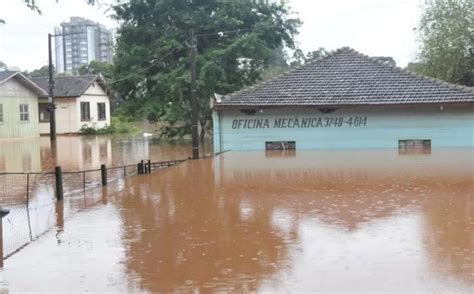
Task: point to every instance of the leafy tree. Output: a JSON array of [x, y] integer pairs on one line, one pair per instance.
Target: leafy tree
[[235, 41], [33, 6], [96, 67], [3, 66], [40, 72], [387, 60], [277, 63], [446, 32], [299, 58]]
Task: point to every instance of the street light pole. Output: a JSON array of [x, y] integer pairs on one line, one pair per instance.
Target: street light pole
[[194, 104], [52, 106]]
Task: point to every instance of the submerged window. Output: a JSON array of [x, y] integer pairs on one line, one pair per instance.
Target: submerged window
[[24, 112], [85, 111], [280, 145], [418, 146]]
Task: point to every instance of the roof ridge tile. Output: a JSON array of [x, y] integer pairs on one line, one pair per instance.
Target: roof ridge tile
[[342, 72]]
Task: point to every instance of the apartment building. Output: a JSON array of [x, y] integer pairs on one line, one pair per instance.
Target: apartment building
[[81, 41]]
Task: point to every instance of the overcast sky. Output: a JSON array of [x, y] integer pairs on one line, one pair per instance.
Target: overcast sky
[[373, 27]]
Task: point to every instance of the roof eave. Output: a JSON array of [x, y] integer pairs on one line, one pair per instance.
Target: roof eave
[[27, 82], [218, 106]]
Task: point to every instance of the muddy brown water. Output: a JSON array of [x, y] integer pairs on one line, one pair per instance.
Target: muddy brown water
[[308, 221]]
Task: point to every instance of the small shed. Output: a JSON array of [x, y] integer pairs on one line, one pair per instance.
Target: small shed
[[18, 106], [345, 100]]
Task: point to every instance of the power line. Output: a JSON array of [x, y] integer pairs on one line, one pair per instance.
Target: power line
[[143, 69], [174, 50], [222, 33]]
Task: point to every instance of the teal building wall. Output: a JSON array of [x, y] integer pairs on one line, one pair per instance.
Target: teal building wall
[[356, 127]]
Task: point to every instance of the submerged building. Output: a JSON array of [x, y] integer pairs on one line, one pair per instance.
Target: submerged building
[[345, 100]]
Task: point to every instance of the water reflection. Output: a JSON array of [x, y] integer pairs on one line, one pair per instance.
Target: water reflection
[[449, 237], [182, 233], [84, 152], [315, 220], [20, 155]]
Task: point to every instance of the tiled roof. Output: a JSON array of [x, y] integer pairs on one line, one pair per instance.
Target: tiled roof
[[25, 81], [347, 77], [4, 75], [69, 86]]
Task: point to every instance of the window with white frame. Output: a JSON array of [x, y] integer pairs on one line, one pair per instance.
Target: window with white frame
[[24, 113]]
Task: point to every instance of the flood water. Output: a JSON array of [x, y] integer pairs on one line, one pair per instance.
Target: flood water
[[307, 221]]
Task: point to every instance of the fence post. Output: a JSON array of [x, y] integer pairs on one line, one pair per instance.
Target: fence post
[[143, 167], [103, 173], [84, 180], [3, 213], [27, 188], [124, 171], [139, 168], [149, 166], [58, 175]]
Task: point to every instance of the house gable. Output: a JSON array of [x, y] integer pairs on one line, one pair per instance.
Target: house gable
[[14, 88], [95, 89]]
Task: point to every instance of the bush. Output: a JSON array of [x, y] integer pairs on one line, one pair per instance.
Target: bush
[[117, 126]]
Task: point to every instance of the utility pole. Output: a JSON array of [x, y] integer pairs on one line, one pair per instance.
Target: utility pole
[[194, 104], [52, 106]]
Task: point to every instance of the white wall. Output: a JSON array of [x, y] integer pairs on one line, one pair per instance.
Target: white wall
[[68, 112], [66, 118], [95, 94]]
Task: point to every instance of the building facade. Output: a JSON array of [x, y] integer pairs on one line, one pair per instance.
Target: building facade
[[18, 106], [81, 101], [345, 100], [81, 41]]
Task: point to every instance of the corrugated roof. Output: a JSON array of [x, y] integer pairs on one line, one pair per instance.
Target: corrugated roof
[[68, 86], [347, 77]]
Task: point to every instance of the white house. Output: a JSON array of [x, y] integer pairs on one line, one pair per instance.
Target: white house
[[80, 101], [18, 106]]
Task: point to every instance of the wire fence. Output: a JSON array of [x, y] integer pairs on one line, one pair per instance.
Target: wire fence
[[31, 198]]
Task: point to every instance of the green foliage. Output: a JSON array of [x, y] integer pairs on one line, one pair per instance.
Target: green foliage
[[118, 125], [152, 62], [299, 58], [40, 72], [446, 32], [96, 67], [3, 66], [31, 4]]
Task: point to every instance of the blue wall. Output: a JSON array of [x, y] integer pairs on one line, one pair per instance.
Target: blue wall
[[359, 127]]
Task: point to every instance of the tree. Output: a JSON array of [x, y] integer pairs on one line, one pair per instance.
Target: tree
[[96, 67], [235, 40], [299, 58], [387, 60], [3, 66], [40, 72], [446, 32], [33, 6]]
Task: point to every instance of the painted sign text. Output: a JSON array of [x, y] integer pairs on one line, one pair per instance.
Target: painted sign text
[[297, 123]]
